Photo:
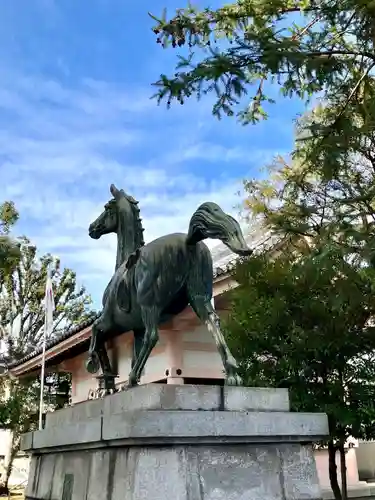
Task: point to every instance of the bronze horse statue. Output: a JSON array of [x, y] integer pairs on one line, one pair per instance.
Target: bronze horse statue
[[154, 282]]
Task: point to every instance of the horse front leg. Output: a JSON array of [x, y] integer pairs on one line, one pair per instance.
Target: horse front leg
[[150, 317], [108, 375], [98, 359], [93, 362]]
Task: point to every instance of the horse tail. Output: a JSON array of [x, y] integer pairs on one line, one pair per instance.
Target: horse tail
[[198, 223], [209, 221]]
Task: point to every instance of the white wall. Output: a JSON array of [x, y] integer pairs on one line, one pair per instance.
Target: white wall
[[5, 441], [20, 465]]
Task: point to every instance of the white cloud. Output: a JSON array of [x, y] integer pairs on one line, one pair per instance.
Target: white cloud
[[61, 147]]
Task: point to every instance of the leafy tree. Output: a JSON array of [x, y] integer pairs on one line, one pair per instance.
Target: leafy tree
[[19, 409], [22, 299], [326, 194], [306, 324], [9, 250], [321, 201], [22, 292], [303, 47]]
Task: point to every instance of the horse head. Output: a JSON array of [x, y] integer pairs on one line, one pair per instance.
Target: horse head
[[120, 216], [121, 208]]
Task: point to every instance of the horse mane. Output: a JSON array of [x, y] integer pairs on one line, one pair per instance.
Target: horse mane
[[138, 227]]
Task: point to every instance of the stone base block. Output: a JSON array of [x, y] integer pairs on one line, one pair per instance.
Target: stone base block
[[222, 472], [180, 442], [182, 397]]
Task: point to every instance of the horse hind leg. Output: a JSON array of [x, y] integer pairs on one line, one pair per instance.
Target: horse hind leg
[[202, 307]]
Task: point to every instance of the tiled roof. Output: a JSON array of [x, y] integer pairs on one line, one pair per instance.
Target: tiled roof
[[225, 262], [257, 239], [56, 340]]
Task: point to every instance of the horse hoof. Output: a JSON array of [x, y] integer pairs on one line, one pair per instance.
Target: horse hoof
[[234, 379], [131, 383], [92, 364]]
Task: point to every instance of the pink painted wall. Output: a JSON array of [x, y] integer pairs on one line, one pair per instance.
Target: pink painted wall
[[321, 460], [180, 353]]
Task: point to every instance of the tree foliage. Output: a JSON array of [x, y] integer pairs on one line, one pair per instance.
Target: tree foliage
[[22, 298], [307, 324], [22, 316], [242, 52], [320, 201], [9, 249], [19, 399], [19, 409], [326, 195]]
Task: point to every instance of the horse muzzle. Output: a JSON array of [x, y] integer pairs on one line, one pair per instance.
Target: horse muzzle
[[239, 247], [94, 232]]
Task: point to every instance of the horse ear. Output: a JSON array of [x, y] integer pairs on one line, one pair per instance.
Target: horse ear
[[115, 192]]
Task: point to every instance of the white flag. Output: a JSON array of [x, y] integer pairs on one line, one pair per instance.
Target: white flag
[[49, 304]]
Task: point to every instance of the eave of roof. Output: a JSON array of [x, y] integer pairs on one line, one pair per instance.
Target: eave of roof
[[56, 340]]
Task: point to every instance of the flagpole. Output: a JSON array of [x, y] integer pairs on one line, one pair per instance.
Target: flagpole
[[41, 402], [49, 307]]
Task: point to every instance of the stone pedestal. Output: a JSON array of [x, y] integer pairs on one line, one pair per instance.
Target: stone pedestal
[[160, 442]]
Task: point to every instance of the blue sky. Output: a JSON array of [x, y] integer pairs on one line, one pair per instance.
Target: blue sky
[[76, 115]]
